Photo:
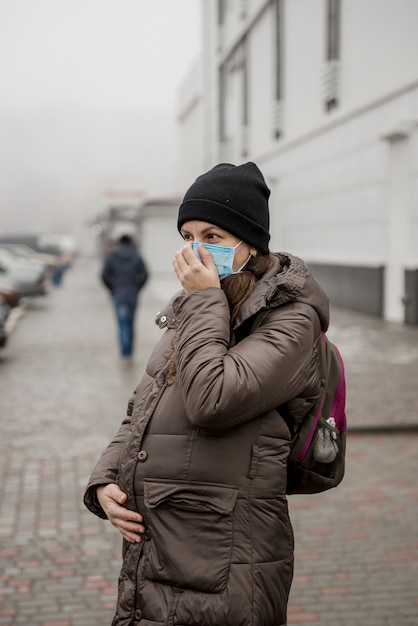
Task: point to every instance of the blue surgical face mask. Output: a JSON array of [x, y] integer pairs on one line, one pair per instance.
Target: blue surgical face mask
[[223, 258]]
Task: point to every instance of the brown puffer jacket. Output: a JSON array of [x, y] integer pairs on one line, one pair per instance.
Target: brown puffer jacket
[[204, 459]]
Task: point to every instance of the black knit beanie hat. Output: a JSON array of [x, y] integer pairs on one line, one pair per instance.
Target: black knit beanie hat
[[233, 197]]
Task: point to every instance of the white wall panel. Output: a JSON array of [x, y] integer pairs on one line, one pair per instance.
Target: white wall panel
[[304, 60], [412, 260], [164, 230], [379, 48]]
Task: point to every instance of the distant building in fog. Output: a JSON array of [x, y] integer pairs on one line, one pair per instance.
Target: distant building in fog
[[323, 96]]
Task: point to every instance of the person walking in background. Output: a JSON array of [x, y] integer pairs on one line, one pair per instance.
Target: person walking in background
[[195, 478], [63, 263], [124, 273]]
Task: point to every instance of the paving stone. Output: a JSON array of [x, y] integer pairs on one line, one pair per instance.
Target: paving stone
[[64, 395]]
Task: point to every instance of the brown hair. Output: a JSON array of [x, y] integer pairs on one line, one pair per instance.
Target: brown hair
[[237, 288]]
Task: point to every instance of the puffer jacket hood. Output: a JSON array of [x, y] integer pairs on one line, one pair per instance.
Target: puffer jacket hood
[[204, 459], [289, 281]]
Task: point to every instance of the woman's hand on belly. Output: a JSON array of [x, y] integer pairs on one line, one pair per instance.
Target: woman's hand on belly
[[128, 523]]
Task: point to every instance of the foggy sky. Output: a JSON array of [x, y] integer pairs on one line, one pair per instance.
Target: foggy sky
[[88, 99]]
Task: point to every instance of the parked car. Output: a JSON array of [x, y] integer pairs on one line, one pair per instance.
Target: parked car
[[29, 277], [22, 260], [4, 312], [9, 291], [25, 253]]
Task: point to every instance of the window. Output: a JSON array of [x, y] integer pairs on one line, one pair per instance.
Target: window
[[234, 101], [333, 30], [245, 99], [278, 64], [222, 104], [221, 12], [332, 53]]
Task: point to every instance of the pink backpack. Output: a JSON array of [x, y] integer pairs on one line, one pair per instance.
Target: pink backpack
[[317, 457]]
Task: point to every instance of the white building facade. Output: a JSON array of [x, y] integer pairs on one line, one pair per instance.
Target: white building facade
[[323, 96]]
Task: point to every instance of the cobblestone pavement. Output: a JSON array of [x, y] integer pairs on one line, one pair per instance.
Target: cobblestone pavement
[[62, 396]]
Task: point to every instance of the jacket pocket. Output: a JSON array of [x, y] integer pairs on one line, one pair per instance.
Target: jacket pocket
[[191, 531]]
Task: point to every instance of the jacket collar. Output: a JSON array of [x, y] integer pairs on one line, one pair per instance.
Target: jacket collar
[[289, 280]]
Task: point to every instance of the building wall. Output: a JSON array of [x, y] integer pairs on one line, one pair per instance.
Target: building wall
[[303, 55], [344, 181], [191, 127], [379, 48]]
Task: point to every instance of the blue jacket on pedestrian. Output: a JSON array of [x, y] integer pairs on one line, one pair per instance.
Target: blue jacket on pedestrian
[[124, 271]]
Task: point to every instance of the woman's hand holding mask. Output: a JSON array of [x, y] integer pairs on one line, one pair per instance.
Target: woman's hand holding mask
[[193, 274]]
